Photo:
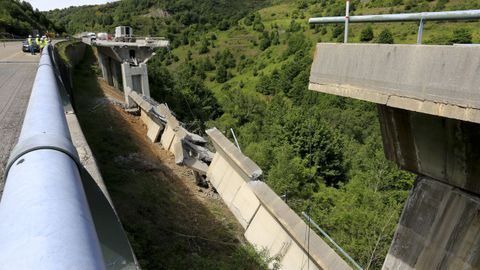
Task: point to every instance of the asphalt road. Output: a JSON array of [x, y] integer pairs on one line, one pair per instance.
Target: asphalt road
[[17, 73]]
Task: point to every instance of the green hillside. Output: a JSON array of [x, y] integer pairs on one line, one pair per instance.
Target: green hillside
[[19, 18], [245, 65]]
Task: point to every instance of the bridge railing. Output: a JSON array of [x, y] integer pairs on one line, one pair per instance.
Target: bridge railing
[[459, 15], [45, 220]]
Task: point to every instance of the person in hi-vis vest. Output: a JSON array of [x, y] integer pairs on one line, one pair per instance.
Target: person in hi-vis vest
[[30, 45]]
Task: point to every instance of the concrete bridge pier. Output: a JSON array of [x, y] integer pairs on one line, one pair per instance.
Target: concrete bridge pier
[[440, 224], [429, 112], [135, 78], [124, 64], [105, 66], [116, 74]]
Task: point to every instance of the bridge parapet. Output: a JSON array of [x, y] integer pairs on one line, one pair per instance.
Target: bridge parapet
[[437, 80]]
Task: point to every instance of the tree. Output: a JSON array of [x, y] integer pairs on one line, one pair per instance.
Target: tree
[[257, 23], [296, 43], [461, 35], [222, 75], [337, 31], [289, 174], [226, 58], [275, 37], [366, 34], [265, 42], [223, 25], [385, 37], [294, 26], [204, 47]]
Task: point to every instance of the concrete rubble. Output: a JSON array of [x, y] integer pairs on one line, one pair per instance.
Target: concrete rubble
[[268, 221], [162, 126]]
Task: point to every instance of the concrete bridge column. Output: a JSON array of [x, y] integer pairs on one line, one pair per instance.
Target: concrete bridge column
[[104, 62], [135, 78], [116, 74], [440, 224]]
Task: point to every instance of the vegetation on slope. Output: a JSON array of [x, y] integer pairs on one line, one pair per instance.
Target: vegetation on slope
[[250, 73], [19, 18]]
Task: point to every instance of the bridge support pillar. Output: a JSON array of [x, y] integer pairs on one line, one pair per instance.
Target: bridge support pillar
[[440, 224], [104, 63], [439, 229], [116, 74], [135, 78]]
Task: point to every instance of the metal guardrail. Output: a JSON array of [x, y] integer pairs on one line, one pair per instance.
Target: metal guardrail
[[340, 249], [45, 220], [459, 15]]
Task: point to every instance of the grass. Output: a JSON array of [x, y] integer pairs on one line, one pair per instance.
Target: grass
[[168, 224], [61, 46]]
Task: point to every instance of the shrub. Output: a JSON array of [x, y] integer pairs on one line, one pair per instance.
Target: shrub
[[385, 37], [461, 35], [367, 34]]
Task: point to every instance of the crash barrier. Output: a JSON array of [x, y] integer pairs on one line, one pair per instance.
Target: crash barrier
[[268, 221], [45, 218]]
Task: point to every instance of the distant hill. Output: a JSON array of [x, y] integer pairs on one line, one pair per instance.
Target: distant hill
[[152, 17], [19, 18]]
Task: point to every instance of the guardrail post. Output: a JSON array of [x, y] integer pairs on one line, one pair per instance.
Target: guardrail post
[[420, 31]]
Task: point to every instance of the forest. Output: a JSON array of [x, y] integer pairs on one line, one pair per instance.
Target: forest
[[18, 19], [245, 65]]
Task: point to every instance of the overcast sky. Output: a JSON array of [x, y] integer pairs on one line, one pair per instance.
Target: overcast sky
[[44, 5]]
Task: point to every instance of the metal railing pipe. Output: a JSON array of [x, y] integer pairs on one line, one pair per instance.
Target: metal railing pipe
[[403, 17], [45, 220], [340, 249]]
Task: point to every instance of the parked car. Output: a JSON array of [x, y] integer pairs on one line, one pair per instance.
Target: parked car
[[25, 47]]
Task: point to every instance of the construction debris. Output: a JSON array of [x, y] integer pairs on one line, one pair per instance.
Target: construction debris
[[188, 148]]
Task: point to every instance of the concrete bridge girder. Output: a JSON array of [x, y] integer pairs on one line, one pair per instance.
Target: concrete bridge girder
[[441, 148]]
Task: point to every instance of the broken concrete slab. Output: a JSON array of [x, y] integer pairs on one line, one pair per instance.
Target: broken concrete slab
[[230, 151], [268, 221], [153, 128]]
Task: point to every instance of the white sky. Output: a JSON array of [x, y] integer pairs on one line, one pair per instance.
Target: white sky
[[44, 5]]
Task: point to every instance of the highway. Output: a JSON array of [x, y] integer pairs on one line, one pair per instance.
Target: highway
[[17, 74]]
